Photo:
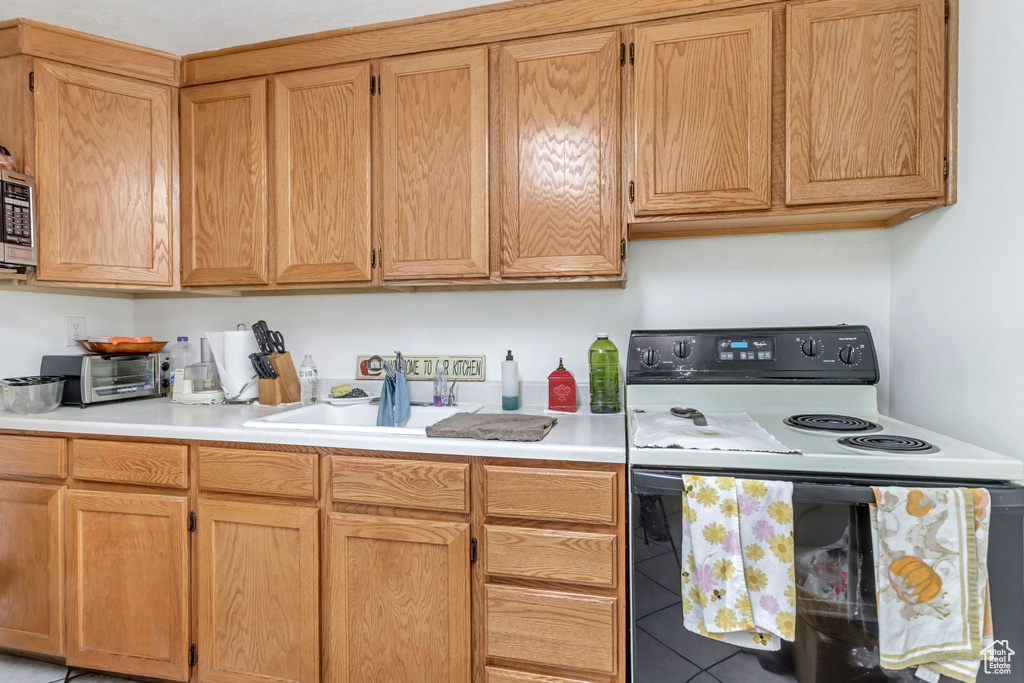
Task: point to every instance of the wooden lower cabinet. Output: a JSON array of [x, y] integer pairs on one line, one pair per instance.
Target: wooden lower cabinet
[[259, 591], [32, 567], [398, 601], [127, 583]]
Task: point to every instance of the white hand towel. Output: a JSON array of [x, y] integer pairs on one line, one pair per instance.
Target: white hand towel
[[724, 432], [738, 578]]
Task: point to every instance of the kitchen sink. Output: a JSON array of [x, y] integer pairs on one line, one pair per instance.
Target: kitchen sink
[[360, 417]]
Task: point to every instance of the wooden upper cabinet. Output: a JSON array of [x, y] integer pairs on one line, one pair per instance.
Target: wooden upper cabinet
[[560, 156], [259, 591], [434, 125], [865, 100], [224, 184], [703, 115], [32, 568], [127, 584], [104, 177], [398, 602], [322, 163]]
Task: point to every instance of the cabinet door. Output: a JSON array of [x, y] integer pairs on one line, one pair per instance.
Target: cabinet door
[[434, 185], [103, 175], [560, 156], [127, 583], [224, 183], [703, 115], [865, 100], [322, 175], [398, 600], [32, 568], [259, 591]]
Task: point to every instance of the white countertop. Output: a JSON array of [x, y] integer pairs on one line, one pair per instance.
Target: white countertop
[[582, 437]]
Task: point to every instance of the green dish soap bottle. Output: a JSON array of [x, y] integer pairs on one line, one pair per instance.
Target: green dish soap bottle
[[604, 376]]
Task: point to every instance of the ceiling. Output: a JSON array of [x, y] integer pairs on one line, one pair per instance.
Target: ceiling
[[187, 26]]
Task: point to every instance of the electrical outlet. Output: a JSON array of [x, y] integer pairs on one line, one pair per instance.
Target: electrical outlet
[[74, 328]]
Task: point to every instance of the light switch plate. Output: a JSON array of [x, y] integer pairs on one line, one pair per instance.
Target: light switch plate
[[74, 328]]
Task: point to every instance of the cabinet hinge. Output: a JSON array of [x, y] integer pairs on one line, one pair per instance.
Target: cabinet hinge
[[632, 191], [193, 656], [947, 10], [373, 85], [373, 259], [622, 54], [622, 249], [31, 81], [472, 550], [181, 267], [191, 522], [945, 168], [631, 54]]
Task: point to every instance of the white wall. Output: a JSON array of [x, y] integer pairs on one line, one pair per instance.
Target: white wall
[[798, 279], [957, 278], [32, 325]]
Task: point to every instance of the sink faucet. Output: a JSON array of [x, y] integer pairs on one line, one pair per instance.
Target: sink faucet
[[451, 394]]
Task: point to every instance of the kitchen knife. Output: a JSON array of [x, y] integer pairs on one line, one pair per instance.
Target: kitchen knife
[[262, 334]]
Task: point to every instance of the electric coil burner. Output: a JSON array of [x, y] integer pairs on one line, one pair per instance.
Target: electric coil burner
[[831, 423], [889, 443]]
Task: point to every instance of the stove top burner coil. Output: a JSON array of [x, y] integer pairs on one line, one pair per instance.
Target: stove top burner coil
[[889, 443], [831, 423]]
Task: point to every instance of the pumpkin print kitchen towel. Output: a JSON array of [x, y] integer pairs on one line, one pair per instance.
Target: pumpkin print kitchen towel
[[931, 547], [737, 573]]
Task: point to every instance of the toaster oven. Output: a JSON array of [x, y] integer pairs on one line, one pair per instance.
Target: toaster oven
[[17, 220], [98, 378]]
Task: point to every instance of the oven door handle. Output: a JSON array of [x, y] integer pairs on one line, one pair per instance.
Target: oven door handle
[[1003, 495]]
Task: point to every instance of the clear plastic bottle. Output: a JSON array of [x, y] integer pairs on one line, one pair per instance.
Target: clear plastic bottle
[[182, 355], [604, 376], [509, 383], [308, 381], [440, 385]]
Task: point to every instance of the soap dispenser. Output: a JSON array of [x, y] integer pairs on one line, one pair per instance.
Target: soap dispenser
[[509, 383]]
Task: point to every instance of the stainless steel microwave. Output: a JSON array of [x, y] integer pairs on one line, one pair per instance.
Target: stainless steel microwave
[[108, 377], [18, 219]]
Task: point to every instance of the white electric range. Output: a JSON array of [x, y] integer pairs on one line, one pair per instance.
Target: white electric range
[[812, 391]]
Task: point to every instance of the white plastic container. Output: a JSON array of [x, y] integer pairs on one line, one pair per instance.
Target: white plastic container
[[182, 354], [509, 383]]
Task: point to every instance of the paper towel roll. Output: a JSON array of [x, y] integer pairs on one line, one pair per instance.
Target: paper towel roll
[[231, 354]]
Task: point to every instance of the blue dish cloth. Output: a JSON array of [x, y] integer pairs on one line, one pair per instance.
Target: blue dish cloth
[[401, 398], [386, 411]]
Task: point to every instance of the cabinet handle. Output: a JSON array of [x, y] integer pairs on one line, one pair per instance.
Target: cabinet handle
[[373, 259]]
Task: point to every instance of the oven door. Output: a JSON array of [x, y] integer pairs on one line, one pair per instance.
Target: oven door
[[114, 377], [836, 640]]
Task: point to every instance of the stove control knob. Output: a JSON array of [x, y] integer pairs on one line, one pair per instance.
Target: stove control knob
[[649, 357], [681, 349], [849, 355], [811, 347]]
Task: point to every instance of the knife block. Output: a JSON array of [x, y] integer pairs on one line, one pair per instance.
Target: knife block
[[285, 388]]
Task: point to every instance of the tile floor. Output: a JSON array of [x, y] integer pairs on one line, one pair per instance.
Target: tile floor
[[19, 670]]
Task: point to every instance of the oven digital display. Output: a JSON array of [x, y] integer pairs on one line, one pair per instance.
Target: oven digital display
[[755, 349]]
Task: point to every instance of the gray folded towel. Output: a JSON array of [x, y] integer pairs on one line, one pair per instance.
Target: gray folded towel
[[487, 426]]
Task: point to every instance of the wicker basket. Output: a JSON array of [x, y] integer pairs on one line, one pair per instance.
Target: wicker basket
[[829, 617]]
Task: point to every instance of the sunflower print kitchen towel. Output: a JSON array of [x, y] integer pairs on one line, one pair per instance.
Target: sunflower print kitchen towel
[[931, 548], [737, 569]]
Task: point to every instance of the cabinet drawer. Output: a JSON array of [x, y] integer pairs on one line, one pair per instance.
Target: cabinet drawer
[[270, 473], [33, 456], [560, 495], [496, 675], [127, 462], [547, 627], [550, 555], [401, 483]]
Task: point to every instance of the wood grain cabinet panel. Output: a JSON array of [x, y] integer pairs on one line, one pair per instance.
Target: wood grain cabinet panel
[[560, 156], [32, 568], [322, 163], [703, 115], [33, 456], [547, 627], [127, 462], [499, 675], [399, 600], [127, 583], [259, 593], [401, 483], [865, 100], [268, 473], [224, 184], [103, 177], [434, 165], [583, 497], [550, 555]]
